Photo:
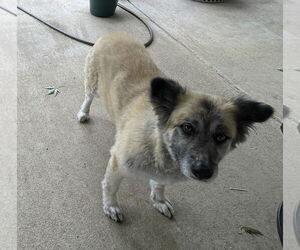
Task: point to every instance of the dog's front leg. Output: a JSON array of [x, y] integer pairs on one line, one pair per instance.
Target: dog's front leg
[[110, 186], [160, 202]]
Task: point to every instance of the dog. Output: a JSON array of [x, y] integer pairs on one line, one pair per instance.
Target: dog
[[164, 132]]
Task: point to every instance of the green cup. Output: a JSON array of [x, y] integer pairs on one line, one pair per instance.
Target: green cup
[[103, 8]]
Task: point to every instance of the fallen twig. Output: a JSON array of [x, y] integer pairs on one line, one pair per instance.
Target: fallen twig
[[238, 189]]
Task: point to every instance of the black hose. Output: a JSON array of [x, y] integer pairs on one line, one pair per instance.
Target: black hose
[[8, 11], [147, 44], [56, 29]]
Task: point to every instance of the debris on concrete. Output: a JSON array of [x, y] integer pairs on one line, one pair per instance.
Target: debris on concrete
[[238, 189], [251, 231], [52, 90]]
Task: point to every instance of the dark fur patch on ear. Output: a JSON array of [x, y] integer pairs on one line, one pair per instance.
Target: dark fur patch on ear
[[249, 112], [164, 97]]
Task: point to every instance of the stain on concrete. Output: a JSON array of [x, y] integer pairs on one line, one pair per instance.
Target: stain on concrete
[[286, 111]]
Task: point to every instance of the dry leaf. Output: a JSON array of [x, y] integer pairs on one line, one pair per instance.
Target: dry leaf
[[52, 90], [251, 231]]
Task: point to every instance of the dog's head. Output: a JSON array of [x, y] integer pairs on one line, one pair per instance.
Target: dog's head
[[198, 129]]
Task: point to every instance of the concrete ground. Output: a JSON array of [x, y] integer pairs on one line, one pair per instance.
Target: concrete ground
[[225, 49], [291, 140], [8, 128]]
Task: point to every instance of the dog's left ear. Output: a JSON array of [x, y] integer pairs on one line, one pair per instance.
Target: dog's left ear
[[249, 112], [164, 97]]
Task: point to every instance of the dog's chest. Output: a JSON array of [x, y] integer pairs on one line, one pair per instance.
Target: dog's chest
[[144, 164]]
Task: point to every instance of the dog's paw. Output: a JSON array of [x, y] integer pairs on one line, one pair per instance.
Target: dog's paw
[[114, 213], [82, 116], [165, 208]]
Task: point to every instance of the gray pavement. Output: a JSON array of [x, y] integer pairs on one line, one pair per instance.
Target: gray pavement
[[291, 139], [224, 49], [8, 128]]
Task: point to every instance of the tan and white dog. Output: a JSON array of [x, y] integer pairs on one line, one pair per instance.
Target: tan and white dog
[[164, 132]]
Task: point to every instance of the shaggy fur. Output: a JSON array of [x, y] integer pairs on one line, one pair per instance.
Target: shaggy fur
[[164, 132]]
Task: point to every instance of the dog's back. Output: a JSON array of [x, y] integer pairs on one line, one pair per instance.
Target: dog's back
[[123, 69]]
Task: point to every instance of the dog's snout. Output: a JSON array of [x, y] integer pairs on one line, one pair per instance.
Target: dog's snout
[[202, 171]]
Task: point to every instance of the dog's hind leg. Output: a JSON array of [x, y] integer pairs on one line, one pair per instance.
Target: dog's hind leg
[[160, 202], [110, 186], [83, 114], [91, 86]]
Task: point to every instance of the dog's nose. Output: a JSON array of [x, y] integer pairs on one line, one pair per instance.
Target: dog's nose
[[202, 171]]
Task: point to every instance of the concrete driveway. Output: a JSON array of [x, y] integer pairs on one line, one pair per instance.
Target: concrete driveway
[[8, 128], [225, 49], [291, 140]]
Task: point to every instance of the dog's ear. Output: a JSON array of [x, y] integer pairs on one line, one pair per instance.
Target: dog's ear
[[249, 112], [164, 97]]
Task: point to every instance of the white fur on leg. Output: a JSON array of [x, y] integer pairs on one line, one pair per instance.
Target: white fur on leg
[[83, 114], [110, 186], [113, 212], [160, 202], [165, 208]]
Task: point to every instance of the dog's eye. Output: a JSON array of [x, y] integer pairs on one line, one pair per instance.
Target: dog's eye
[[187, 128], [220, 138]]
